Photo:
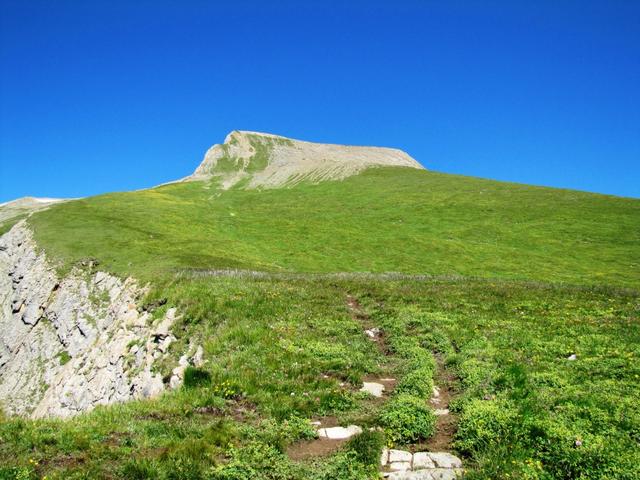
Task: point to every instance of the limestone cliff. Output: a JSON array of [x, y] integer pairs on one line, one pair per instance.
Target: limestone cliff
[[69, 344]]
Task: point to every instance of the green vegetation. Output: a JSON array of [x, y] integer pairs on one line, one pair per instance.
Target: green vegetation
[[523, 406], [7, 224], [407, 419], [196, 377], [384, 220], [64, 357], [262, 147], [560, 277]]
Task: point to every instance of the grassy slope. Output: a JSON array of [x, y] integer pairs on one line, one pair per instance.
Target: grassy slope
[[280, 349], [383, 220], [521, 404]]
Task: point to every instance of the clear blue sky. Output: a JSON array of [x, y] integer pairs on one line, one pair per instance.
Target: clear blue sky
[[100, 96]]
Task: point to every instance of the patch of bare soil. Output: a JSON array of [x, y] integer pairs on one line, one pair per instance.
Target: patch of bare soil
[[320, 447]]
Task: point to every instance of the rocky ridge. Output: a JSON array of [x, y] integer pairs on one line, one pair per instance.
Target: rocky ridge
[[69, 344], [25, 206], [262, 160]]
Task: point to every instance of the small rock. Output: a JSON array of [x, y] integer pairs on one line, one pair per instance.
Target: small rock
[[399, 456], [164, 344], [175, 382], [373, 388], [441, 411], [422, 460], [198, 357], [372, 332], [572, 357], [164, 329], [384, 457], [339, 433]]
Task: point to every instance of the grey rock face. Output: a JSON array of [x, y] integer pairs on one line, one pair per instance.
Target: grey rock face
[[67, 345], [286, 161]]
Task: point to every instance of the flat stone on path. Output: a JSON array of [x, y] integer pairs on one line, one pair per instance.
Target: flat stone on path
[[339, 433], [427, 474], [373, 388], [399, 456], [422, 460], [445, 460], [441, 411]]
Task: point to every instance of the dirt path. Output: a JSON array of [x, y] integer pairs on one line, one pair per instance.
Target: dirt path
[[445, 424], [371, 330]]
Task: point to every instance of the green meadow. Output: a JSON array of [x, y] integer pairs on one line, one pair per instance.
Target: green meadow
[[384, 220]]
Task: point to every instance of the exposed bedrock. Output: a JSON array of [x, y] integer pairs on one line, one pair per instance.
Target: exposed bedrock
[[69, 344]]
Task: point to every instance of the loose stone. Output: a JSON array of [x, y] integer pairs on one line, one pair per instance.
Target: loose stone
[[373, 388], [339, 433]]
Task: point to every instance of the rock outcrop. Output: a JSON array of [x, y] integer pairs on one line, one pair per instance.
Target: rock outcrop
[[253, 160], [69, 344]]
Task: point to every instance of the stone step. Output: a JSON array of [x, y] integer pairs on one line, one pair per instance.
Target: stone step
[[426, 474]]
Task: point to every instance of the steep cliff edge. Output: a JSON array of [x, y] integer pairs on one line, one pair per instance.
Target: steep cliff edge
[[69, 344]]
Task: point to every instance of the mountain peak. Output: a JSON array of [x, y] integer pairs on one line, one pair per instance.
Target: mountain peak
[[254, 159]]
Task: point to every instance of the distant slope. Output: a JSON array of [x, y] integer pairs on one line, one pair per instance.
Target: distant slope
[[383, 219], [11, 212], [253, 160]]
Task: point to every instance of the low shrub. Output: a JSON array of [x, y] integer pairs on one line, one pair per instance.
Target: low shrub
[[255, 461], [406, 418], [196, 377], [483, 424], [367, 447], [141, 469], [418, 383], [346, 466], [17, 473]]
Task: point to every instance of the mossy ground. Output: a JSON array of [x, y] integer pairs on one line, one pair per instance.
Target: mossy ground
[[278, 347]]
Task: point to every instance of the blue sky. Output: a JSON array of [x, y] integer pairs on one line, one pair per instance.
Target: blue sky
[[115, 95]]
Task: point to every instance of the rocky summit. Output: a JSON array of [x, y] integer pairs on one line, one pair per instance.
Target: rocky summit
[[252, 160]]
